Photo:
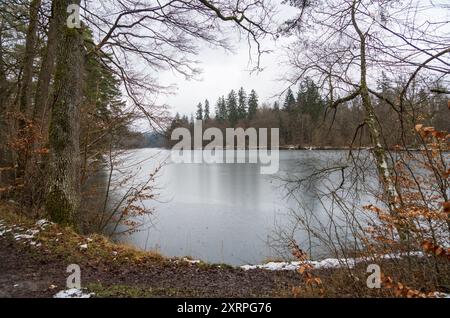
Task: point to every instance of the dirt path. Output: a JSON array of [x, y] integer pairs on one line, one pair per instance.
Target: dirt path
[[26, 271]]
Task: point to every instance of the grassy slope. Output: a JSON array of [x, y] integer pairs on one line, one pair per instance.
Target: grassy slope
[[117, 270], [35, 266]]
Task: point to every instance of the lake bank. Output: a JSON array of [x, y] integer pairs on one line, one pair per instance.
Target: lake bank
[[34, 255]]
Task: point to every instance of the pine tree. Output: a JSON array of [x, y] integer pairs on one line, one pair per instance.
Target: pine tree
[[309, 100], [221, 109], [289, 101], [242, 104], [232, 106], [252, 104], [206, 115], [276, 106], [199, 113]]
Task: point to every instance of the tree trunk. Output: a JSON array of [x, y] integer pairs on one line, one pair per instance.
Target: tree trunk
[[40, 111], [6, 91], [64, 167], [34, 179], [3, 107], [381, 158], [3, 82], [3, 89], [30, 52], [26, 85]]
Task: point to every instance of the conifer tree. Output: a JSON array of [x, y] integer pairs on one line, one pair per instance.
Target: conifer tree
[[206, 115], [252, 104], [276, 106], [289, 101], [221, 109], [242, 104], [309, 100], [232, 108], [199, 113]]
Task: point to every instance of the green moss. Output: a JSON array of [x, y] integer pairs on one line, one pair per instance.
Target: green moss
[[59, 208]]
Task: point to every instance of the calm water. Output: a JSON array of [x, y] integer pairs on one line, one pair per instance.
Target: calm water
[[221, 213]]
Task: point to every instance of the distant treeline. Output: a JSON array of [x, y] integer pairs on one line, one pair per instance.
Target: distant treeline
[[305, 117]]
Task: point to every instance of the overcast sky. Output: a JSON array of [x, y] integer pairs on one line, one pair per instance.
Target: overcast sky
[[223, 71]]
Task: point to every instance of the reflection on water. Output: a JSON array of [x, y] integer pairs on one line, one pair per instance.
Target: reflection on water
[[222, 213]]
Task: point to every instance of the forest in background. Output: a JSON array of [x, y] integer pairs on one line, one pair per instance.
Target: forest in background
[[304, 119]]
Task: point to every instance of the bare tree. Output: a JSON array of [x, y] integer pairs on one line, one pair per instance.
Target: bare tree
[[348, 44], [135, 38]]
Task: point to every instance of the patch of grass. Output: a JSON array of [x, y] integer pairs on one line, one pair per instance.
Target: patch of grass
[[63, 241], [224, 266], [125, 291]]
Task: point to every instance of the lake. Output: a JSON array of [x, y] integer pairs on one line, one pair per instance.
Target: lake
[[224, 213]]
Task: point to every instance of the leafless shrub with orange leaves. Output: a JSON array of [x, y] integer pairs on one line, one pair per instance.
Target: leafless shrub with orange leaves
[[413, 265], [312, 281], [26, 178], [118, 198], [422, 180]]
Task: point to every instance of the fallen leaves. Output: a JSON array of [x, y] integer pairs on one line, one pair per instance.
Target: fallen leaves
[[431, 248]]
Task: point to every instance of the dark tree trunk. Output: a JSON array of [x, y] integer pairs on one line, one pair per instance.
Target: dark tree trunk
[[30, 52], [3, 109], [26, 85], [7, 89], [64, 167], [40, 111], [35, 180]]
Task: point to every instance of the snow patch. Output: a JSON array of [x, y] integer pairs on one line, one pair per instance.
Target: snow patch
[[43, 223], [24, 235], [191, 261], [18, 237], [83, 247], [73, 293], [32, 232], [441, 295], [326, 263]]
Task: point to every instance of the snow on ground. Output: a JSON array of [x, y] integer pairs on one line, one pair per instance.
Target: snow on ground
[[191, 261], [27, 236], [43, 223], [441, 295], [326, 263], [185, 260], [83, 246], [73, 293]]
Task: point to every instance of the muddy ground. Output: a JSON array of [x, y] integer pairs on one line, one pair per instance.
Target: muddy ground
[[27, 271]]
